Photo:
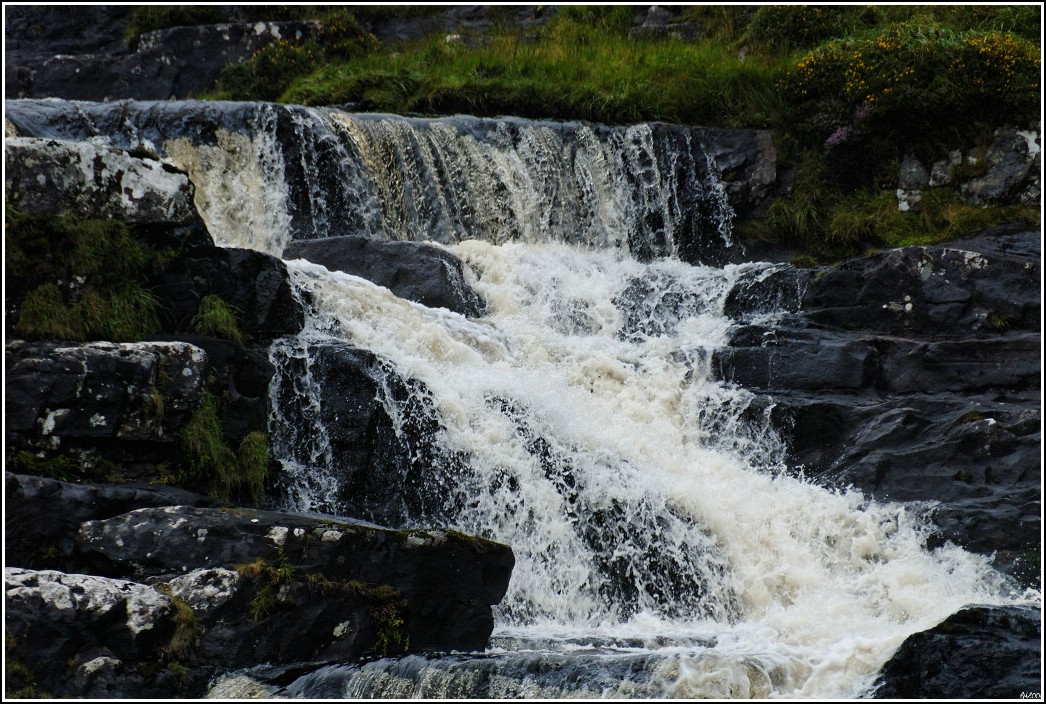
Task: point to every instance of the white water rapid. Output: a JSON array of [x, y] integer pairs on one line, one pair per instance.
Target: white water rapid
[[661, 548]]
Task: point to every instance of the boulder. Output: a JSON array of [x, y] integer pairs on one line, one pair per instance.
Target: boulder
[[42, 516], [448, 580], [255, 285], [77, 635], [981, 652], [416, 271], [94, 181], [59, 392]]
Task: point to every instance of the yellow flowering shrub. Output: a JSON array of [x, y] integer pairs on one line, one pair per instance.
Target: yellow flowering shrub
[[911, 80]]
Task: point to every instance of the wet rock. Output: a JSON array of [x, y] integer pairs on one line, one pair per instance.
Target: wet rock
[[980, 652], [385, 468], [415, 271], [448, 580], [981, 285], [94, 181], [912, 375], [254, 284], [42, 516]]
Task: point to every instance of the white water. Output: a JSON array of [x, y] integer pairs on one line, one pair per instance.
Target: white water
[[660, 549], [802, 591]]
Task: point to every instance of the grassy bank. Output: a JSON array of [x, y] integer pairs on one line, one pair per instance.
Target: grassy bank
[[846, 90]]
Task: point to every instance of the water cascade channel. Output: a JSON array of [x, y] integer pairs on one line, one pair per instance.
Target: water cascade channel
[[662, 549]]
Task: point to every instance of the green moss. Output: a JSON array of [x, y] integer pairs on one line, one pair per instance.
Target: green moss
[[212, 466], [253, 459], [387, 616], [970, 416], [216, 318], [60, 467], [1000, 322]]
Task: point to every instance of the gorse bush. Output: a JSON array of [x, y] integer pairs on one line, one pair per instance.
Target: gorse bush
[[911, 83], [270, 70], [787, 27]]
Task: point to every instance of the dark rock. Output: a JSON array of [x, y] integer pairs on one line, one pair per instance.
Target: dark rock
[[58, 392], [747, 164], [981, 652], [797, 359], [42, 516], [1009, 161], [94, 181], [912, 175], [385, 469], [83, 635], [449, 580], [952, 289], [254, 284], [80, 54], [416, 271], [911, 375]]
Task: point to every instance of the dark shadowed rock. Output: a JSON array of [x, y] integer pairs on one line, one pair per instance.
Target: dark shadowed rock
[[42, 516], [254, 284], [80, 54], [449, 580], [981, 652], [415, 271], [88, 636], [61, 392]]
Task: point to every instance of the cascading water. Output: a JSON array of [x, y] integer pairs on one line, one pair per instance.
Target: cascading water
[[661, 551]]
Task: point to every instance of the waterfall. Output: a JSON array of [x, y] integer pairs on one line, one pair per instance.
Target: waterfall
[[661, 548]]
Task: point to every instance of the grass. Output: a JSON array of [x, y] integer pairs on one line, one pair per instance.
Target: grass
[[575, 71], [211, 464], [80, 279], [273, 579], [216, 318]]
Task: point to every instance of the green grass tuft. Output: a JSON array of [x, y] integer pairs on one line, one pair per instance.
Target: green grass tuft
[[216, 318], [82, 279]]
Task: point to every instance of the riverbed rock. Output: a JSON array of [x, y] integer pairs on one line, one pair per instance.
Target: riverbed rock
[[384, 468], [981, 652], [911, 374], [415, 271], [448, 580]]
